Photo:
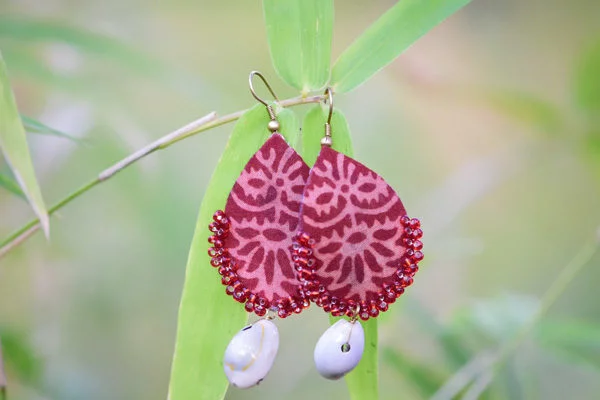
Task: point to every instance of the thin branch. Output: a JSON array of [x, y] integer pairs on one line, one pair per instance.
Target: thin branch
[[205, 123], [479, 372], [558, 286], [464, 376]]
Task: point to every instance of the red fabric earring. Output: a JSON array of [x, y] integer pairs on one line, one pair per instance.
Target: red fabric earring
[[252, 237], [356, 250]]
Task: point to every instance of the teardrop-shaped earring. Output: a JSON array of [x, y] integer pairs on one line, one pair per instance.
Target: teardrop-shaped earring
[[251, 246], [356, 249]]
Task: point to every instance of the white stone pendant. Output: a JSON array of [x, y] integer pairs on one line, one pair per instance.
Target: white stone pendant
[[250, 354], [339, 349]]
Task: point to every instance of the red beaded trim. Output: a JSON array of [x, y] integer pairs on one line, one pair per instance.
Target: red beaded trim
[[306, 265], [221, 259]]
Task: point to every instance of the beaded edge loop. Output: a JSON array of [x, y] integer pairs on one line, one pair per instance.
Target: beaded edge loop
[[227, 268], [305, 265]]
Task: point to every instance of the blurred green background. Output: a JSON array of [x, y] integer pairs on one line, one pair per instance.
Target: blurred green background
[[488, 127]]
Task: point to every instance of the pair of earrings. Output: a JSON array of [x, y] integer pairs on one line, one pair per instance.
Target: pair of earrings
[[336, 235]]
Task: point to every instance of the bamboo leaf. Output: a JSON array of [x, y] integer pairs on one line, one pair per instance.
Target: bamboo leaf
[[577, 341], [208, 319], [389, 36], [20, 358], [363, 380], [11, 185], [587, 80], [426, 379], [299, 34], [313, 129], [13, 144], [33, 126]]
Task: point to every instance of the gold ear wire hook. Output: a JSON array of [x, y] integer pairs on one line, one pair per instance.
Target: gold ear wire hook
[[326, 141], [262, 78]]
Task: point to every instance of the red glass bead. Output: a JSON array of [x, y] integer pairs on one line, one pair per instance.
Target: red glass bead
[[414, 223], [215, 262], [411, 269], [282, 313], [409, 253], [213, 252], [223, 270], [382, 306], [407, 280], [213, 227], [418, 256], [417, 245], [249, 306], [218, 216], [239, 295], [408, 242], [301, 260], [416, 234], [303, 238], [404, 220], [399, 290], [260, 310]]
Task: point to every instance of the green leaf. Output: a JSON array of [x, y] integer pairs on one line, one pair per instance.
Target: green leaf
[[34, 126], [20, 358], [208, 318], [528, 109], [587, 80], [363, 380], [313, 130], [299, 34], [426, 379], [11, 185], [16, 152], [86, 42], [454, 352], [2, 375], [577, 341], [389, 36]]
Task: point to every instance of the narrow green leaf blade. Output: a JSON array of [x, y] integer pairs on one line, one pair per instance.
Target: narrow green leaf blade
[[299, 34], [587, 81], [208, 318], [577, 341], [389, 36], [426, 379], [313, 130], [363, 380], [11, 185], [34, 126], [13, 144]]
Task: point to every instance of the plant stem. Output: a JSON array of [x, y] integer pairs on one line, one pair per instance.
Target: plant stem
[[479, 372], [205, 123], [558, 286]]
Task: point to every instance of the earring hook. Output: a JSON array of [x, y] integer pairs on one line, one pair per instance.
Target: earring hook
[[273, 124], [326, 141], [262, 78]]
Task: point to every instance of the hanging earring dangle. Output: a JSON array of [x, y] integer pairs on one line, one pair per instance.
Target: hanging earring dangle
[[355, 252], [251, 244]]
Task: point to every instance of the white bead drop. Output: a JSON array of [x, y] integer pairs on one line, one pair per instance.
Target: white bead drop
[[250, 354], [339, 349]]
